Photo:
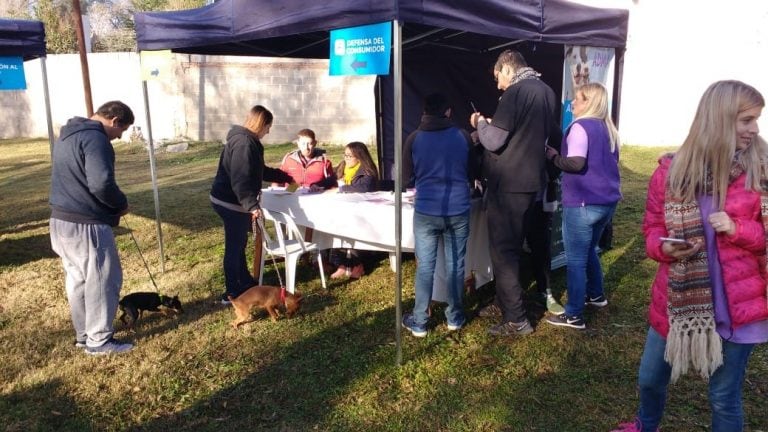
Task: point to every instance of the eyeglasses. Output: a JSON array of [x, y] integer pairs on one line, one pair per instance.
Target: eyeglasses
[[349, 156]]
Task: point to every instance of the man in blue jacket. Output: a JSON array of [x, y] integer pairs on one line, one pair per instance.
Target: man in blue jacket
[[85, 204], [438, 158]]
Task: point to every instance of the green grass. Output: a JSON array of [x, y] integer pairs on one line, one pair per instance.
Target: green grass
[[333, 367]]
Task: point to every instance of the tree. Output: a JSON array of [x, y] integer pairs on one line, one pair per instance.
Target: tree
[[60, 34], [112, 26], [112, 23], [15, 9]]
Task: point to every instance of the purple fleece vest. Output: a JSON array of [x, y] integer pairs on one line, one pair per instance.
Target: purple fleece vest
[[598, 183]]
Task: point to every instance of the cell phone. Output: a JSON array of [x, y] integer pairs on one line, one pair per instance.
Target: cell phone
[[473, 106], [676, 240]]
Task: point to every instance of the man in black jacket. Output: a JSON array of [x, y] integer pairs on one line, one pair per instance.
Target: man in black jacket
[[85, 204], [514, 166]]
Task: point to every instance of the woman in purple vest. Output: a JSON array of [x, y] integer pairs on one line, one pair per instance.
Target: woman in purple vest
[[591, 190]]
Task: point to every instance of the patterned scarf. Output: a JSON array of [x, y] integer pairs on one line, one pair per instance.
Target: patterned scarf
[[524, 73], [693, 340]]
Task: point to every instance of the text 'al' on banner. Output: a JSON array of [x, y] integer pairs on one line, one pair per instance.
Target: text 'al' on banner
[[12, 73]]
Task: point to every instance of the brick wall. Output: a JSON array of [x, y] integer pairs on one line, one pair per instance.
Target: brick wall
[[201, 97]]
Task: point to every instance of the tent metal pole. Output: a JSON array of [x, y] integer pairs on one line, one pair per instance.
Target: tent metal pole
[[47, 104], [153, 170], [397, 65]]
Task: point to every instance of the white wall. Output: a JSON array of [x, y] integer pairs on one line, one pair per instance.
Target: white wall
[[675, 50], [201, 98]]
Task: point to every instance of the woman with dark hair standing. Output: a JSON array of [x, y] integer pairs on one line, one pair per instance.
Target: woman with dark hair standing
[[236, 193], [358, 173]]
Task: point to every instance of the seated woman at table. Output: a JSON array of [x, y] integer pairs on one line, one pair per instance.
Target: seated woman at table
[[308, 165], [359, 174]]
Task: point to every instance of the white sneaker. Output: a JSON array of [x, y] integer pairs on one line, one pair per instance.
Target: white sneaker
[[553, 306], [112, 346]]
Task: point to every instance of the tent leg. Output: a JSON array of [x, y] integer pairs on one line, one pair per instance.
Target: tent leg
[[153, 170], [397, 50], [47, 104]]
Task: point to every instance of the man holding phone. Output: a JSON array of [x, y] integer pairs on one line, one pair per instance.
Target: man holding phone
[[514, 166]]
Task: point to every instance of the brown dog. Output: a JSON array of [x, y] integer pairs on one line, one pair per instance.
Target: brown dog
[[267, 297]]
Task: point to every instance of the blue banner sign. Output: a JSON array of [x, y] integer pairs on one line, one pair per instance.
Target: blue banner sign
[[12, 73], [363, 50]]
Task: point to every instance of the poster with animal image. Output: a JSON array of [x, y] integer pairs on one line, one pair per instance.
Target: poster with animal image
[[584, 65]]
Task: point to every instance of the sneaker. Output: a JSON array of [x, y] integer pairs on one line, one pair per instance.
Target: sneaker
[[599, 301], [224, 300], [490, 310], [416, 330], [553, 306], [112, 346], [564, 320], [80, 343], [629, 427], [454, 327], [510, 328]]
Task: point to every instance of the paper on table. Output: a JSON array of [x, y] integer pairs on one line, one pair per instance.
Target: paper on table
[[279, 191]]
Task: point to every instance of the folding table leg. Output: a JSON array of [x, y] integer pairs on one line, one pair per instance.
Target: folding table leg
[[320, 265]]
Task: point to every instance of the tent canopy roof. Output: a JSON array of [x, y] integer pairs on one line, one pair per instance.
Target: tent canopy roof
[[22, 38], [294, 28]]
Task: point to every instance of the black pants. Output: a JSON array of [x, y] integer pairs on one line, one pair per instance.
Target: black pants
[[538, 234], [506, 222], [345, 257]]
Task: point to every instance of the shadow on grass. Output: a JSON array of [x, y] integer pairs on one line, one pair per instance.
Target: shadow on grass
[[293, 383], [175, 202], [296, 391], [45, 406], [17, 252]]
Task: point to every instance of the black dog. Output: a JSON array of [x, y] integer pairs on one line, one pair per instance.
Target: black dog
[[134, 304]]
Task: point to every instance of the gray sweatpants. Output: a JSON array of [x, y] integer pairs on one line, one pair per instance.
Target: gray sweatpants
[[93, 277]]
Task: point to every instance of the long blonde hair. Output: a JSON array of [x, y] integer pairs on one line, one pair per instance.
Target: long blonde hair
[[710, 147], [596, 97]]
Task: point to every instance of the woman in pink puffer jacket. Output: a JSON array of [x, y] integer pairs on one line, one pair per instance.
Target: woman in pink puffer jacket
[[708, 300]]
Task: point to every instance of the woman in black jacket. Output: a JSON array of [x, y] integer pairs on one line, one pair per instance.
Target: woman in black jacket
[[236, 193]]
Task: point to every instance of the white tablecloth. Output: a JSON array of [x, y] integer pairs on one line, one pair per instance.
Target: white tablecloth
[[366, 221]]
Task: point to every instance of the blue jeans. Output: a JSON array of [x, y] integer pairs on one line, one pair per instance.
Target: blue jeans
[[724, 385], [427, 230], [237, 278], [582, 228]]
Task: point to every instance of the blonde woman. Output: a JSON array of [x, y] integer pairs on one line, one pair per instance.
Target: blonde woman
[[236, 192], [591, 190], [708, 300]]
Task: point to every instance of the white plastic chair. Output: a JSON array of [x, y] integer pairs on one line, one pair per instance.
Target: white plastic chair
[[290, 247]]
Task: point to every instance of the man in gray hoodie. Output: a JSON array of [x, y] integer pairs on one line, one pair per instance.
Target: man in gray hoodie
[[85, 204]]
